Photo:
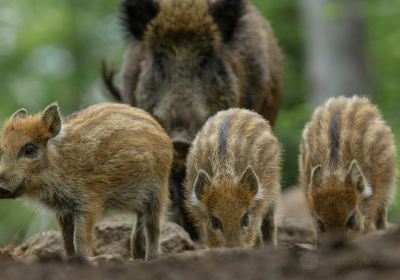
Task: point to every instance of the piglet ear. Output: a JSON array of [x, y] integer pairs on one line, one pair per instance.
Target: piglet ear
[[136, 15], [200, 185], [356, 179], [20, 114], [316, 177], [249, 181], [52, 119], [226, 14]]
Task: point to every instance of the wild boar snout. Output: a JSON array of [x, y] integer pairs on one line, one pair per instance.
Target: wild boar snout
[[181, 120], [181, 140]]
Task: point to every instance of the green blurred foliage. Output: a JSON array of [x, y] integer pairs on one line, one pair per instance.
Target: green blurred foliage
[[383, 54], [51, 51], [284, 17]]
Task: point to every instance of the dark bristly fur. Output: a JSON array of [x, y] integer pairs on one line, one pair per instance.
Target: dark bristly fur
[[348, 167], [335, 138], [233, 169], [223, 136], [106, 157], [108, 80], [188, 59], [226, 14], [136, 14]]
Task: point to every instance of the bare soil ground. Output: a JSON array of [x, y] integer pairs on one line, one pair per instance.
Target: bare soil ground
[[375, 255]]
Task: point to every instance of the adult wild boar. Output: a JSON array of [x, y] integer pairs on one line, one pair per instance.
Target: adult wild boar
[[188, 59]]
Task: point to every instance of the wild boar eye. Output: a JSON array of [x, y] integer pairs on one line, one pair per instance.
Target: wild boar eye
[[203, 61], [215, 223], [158, 60], [351, 222], [159, 64], [321, 226], [245, 221], [29, 151]]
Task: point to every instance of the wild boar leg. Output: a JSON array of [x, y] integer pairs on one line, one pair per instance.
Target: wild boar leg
[[152, 226], [66, 223], [83, 237], [268, 228], [259, 238], [138, 240], [152, 236], [381, 217]]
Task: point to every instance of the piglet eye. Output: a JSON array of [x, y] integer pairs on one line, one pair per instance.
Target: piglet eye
[[351, 222], [321, 226], [215, 223], [245, 221], [29, 151]]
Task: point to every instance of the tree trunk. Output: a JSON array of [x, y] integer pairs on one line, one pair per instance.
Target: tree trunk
[[335, 48]]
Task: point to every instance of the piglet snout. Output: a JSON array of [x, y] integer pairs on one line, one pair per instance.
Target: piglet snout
[[4, 193]]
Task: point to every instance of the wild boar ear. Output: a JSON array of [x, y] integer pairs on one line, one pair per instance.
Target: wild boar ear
[[226, 14], [316, 177], [250, 181], [355, 178], [20, 114], [200, 185], [136, 14], [52, 119]]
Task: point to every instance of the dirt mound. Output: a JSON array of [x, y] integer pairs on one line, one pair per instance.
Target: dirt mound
[[111, 242], [367, 258]]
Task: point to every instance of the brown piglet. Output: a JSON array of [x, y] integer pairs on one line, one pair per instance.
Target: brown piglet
[[347, 168], [106, 157], [232, 186]]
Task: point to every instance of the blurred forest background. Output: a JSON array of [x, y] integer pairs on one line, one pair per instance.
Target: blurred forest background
[[51, 51]]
